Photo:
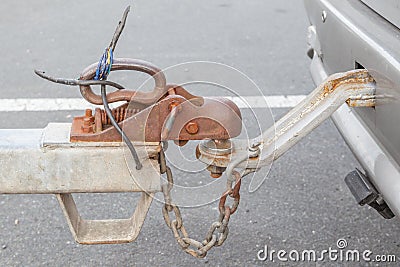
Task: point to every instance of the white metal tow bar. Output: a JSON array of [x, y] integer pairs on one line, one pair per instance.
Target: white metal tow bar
[[45, 161]]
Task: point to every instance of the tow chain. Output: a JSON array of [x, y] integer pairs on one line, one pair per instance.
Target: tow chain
[[212, 238]]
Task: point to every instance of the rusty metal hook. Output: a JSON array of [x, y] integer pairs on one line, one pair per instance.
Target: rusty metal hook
[[146, 98]]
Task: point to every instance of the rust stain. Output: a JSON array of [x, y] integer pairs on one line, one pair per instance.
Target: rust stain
[[197, 119]]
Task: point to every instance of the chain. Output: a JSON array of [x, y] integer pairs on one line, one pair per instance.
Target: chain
[[218, 232]]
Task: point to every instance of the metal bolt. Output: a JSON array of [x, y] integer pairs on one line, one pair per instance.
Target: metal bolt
[[88, 113], [324, 15], [88, 121], [192, 128], [87, 126], [215, 171]]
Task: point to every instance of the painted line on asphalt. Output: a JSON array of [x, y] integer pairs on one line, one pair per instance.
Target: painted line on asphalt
[[66, 104]]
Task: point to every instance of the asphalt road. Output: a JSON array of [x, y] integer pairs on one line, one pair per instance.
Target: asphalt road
[[303, 204]]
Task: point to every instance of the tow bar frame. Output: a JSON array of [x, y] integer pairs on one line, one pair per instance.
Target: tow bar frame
[[45, 161]]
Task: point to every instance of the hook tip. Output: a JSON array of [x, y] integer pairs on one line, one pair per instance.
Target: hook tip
[[40, 72]]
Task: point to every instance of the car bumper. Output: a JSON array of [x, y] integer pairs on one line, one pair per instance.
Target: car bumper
[[346, 33]]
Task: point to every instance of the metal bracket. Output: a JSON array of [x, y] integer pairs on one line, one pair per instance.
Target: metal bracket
[[113, 231], [365, 193]]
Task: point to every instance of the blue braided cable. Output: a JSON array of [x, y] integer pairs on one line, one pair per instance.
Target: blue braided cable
[[104, 66], [99, 67]]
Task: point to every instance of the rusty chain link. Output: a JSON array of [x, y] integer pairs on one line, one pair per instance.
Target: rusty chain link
[[176, 225]]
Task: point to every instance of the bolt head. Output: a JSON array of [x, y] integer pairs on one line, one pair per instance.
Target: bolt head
[[192, 128]]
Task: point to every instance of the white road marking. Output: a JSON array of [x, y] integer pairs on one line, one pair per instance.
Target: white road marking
[[66, 104], [275, 101]]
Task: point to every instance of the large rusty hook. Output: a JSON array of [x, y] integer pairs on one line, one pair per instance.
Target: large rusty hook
[[146, 98]]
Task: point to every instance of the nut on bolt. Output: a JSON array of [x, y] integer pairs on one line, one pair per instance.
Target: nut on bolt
[[88, 122]]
